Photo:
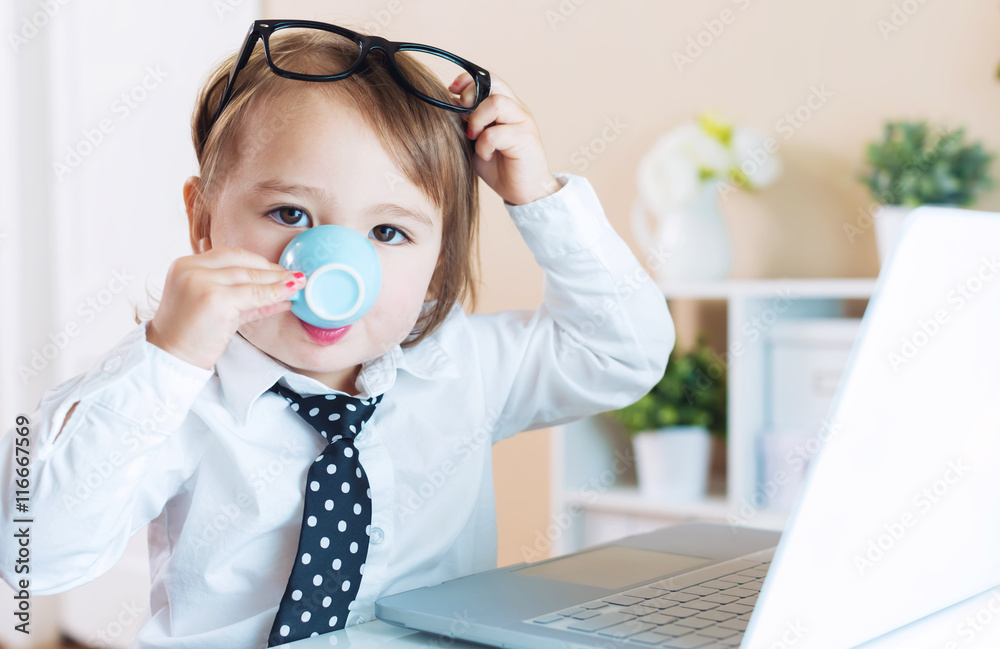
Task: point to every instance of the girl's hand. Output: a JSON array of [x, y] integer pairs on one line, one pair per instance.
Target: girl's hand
[[509, 154], [208, 296]]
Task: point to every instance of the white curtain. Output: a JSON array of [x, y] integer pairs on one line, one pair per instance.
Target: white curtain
[[95, 118]]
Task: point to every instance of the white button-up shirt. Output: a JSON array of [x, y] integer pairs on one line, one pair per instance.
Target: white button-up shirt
[[215, 464]]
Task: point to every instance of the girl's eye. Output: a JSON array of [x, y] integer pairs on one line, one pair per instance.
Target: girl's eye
[[386, 234], [288, 215]]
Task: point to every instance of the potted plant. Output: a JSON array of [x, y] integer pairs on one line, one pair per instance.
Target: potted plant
[[671, 425], [679, 183], [915, 165]]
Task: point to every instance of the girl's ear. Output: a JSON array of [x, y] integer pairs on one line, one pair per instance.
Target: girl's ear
[[199, 221]]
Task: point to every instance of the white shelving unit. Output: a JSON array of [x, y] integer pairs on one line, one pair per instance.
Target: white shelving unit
[[594, 493]]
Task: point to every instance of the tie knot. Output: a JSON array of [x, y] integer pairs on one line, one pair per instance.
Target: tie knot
[[332, 415]]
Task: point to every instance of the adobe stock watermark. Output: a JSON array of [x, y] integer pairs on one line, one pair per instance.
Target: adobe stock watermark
[[87, 311], [753, 328], [927, 329], [976, 622], [899, 16], [380, 18], [461, 622], [714, 27], [462, 451], [922, 502], [91, 478], [121, 107], [624, 287], [793, 634], [223, 7], [260, 478], [589, 152], [128, 614], [795, 462], [786, 126], [392, 180], [32, 25], [561, 522], [562, 12]]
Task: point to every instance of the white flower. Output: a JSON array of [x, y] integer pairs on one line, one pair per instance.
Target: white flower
[[669, 173], [759, 165], [665, 182]]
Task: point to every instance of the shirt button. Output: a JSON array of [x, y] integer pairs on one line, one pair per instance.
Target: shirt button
[[112, 363], [377, 535]]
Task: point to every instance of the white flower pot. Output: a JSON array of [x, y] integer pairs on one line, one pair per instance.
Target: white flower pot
[[888, 219], [672, 463], [785, 454]]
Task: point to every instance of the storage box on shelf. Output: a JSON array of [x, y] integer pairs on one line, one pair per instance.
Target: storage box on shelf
[[804, 360], [787, 342]]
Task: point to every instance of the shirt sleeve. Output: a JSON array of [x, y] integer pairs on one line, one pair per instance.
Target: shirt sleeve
[[602, 335], [107, 472]]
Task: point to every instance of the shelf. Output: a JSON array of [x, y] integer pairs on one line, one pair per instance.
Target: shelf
[[762, 328], [628, 500], [845, 288]]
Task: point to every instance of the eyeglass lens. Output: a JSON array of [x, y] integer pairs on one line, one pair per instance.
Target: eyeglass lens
[[342, 53]]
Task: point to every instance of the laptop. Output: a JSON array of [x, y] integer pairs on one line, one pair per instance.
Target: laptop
[[896, 519]]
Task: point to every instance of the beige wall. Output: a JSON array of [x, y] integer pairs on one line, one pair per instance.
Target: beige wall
[[614, 61]]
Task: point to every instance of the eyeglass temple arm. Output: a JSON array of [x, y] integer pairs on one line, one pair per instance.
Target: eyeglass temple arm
[[487, 84], [248, 45]]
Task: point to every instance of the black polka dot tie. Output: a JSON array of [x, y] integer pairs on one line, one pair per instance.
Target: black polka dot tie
[[336, 521]]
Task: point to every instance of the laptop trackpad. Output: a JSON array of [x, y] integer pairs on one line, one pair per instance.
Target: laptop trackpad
[[613, 567]]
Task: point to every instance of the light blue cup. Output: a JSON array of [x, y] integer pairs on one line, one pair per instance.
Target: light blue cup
[[343, 275]]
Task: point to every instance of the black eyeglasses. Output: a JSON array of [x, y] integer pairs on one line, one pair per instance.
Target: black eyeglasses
[[444, 64]]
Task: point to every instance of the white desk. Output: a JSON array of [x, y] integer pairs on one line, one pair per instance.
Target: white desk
[[380, 635], [973, 624]]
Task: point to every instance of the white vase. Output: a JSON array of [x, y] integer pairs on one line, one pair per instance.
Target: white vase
[[783, 465], [887, 219], [693, 237], [672, 463]]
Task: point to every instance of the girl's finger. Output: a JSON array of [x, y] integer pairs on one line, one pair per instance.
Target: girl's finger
[[465, 88], [247, 297], [460, 83], [499, 87], [468, 95], [243, 275], [495, 108], [509, 139], [230, 256]]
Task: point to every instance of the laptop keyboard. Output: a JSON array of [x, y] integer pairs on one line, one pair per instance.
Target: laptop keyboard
[[708, 608]]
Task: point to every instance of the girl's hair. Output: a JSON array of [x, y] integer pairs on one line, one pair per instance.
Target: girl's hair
[[426, 143]]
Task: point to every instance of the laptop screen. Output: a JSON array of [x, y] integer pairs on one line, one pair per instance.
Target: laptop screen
[[898, 517]]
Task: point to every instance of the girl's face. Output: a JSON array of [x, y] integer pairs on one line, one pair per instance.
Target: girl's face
[[321, 164]]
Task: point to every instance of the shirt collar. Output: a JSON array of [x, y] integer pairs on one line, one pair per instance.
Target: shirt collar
[[245, 372]]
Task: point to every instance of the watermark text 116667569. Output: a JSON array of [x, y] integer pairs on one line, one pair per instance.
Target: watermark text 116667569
[[22, 537]]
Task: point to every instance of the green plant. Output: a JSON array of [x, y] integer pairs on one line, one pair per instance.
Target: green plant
[[692, 392], [914, 165]]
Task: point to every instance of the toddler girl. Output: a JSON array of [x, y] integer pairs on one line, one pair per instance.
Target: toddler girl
[[194, 414]]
